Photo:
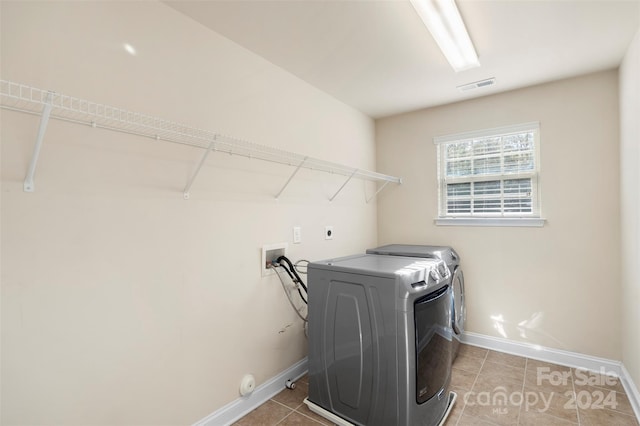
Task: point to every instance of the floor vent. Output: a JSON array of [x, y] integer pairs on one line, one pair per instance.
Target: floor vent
[[477, 84]]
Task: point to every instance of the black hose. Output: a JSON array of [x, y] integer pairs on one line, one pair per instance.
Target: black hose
[[293, 271], [279, 262], [293, 274], [283, 266]]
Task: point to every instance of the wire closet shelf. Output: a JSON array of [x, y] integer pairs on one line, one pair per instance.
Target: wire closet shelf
[[23, 98]]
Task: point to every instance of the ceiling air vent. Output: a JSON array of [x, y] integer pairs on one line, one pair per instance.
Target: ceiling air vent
[[477, 84]]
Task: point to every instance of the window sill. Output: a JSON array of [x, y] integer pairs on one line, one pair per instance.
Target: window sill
[[490, 221]]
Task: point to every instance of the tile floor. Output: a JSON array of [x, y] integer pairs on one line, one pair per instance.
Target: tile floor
[[499, 389]]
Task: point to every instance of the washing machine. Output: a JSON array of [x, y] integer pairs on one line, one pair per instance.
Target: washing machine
[[380, 340], [452, 260]]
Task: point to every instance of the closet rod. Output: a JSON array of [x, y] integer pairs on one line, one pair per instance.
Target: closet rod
[[31, 100]]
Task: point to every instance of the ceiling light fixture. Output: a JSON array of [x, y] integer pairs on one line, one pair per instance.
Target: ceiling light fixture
[[130, 49], [443, 20]]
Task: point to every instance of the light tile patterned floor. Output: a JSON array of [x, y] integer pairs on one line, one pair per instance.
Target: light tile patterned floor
[[493, 389]]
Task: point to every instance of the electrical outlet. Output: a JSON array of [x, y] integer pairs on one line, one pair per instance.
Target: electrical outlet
[[297, 235], [328, 232]]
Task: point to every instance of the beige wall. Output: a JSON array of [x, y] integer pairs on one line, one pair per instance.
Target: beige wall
[[556, 286], [122, 303], [630, 211]]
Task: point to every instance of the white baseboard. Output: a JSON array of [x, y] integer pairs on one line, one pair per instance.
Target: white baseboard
[[632, 391], [541, 353], [242, 406], [560, 357]]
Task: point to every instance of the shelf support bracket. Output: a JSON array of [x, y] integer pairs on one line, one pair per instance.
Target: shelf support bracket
[[187, 188], [29, 185], [377, 192], [291, 177], [344, 184]]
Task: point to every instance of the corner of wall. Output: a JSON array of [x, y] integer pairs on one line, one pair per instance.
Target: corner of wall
[[629, 78]]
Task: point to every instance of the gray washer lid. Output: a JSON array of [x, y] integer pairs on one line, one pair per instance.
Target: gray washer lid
[[388, 266], [445, 253]]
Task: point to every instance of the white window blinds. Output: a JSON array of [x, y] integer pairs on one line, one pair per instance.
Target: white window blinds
[[490, 173]]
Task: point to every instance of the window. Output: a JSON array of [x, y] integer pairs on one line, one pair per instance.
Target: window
[[490, 177]]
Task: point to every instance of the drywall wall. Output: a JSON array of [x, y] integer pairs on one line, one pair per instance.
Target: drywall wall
[[630, 206], [556, 286], [123, 303]]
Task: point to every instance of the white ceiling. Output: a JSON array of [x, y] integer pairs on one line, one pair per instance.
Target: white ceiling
[[378, 57]]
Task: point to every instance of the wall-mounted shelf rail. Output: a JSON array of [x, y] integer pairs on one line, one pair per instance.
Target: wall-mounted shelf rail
[[47, 104]]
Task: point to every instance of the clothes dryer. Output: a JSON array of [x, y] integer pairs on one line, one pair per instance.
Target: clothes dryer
[[452, 260], [380, 343]]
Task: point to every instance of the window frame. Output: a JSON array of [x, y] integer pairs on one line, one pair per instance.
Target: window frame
[[501, 217]]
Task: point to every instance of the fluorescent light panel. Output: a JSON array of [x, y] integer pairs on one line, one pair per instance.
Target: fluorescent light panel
[[444, 22]]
